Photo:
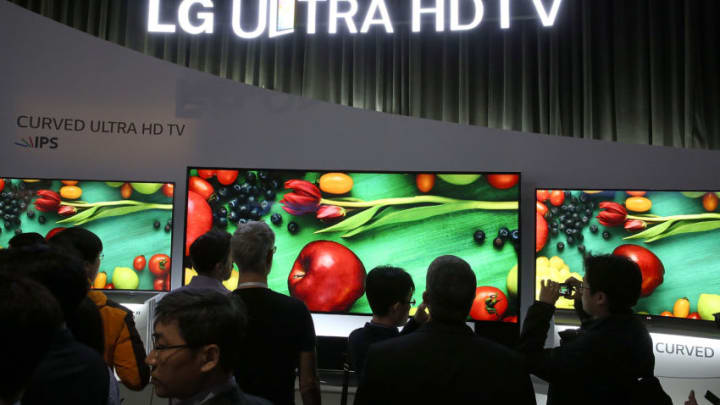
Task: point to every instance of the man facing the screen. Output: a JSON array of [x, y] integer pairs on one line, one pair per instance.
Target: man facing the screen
[[389, 291], [210, 254], [124, 350], [280, 335], [444, 362]]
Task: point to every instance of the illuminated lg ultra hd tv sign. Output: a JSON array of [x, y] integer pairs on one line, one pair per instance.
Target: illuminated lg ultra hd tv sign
[[277, 17]]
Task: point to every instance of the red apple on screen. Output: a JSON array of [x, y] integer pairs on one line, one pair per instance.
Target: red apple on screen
[[651, 267], [541, 232], [199, 219], [327, 277]]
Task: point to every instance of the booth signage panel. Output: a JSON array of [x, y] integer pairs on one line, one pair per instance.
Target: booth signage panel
[[277, 17], [678, 356]]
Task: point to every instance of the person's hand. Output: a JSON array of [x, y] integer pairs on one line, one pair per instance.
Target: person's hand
[[549, 292], [691, 399], [421, 315], [575, 284]]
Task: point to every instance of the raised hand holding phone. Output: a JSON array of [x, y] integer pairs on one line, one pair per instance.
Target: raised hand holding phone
[[549, 292]]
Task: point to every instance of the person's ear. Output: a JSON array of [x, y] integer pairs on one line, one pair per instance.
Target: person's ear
[[269, 259], [395, 308], [600, 298], [210, 358]]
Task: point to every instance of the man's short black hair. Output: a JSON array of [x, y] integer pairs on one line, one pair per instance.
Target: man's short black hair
[[26, 239], [450, 284], [30, 318], [386, 285], [84, 242], [618, 277], [206, 317], [210, 249], [62, 275]]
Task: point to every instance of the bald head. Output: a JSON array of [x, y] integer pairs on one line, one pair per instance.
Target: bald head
[[450, 288]]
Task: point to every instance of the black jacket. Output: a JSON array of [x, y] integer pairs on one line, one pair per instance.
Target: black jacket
[[361, 339], [234, 396], [597, 366], [70, 373], [443, 363]]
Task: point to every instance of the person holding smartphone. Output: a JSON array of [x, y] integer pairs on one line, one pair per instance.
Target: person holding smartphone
[[601, 362]]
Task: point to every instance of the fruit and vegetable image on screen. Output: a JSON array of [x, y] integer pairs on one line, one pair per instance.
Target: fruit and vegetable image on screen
[[133, 220], [332, 228], [672, 236]]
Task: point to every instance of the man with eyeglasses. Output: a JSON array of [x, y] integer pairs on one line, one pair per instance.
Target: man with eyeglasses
[[280, 335], [210, 255], [195, 349], [389, 291], [601, 362]]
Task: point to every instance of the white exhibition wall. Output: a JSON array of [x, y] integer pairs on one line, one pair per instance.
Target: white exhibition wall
[[50, 70]]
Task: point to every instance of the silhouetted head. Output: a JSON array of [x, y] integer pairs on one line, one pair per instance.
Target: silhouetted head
[[449, 289]]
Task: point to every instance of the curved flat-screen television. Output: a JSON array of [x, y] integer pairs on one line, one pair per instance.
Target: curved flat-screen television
[[332, 228], [672, 235], [132, 219]]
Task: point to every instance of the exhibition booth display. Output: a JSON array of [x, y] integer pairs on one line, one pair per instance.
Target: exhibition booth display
[[344, 190]]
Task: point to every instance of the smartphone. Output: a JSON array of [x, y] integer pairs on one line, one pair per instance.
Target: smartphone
[[567, 290], [712, 398]]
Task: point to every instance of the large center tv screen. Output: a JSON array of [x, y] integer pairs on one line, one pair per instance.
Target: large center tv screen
[[332, 228], [672, 235], [133, 220]]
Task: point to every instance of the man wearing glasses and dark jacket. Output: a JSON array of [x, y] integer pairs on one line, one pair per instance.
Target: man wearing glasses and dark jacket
[[601, 362]]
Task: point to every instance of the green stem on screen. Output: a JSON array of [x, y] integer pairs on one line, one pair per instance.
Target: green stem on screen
[[674, 217], [101, 204], [488, 205], [106, 210]]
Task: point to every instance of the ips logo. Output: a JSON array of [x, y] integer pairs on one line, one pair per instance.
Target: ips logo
[[38, 142]]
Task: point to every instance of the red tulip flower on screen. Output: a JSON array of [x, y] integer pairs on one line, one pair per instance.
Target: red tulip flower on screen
[[47, 201], [304, 198], [326, 212], [66, 210], [612, 214], [635, 225]]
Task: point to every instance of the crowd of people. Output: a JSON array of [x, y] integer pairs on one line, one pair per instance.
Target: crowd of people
[[65, 343]]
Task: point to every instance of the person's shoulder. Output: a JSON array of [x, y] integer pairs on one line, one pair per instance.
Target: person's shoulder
[[623, 327], [399, 342], [357, 334], [117, 307], [253, 400], [287, 301], [97, 297], [495, 348], [71, 352]]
